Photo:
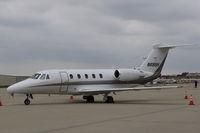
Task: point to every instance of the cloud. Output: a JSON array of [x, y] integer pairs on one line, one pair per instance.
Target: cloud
[[95, 33]]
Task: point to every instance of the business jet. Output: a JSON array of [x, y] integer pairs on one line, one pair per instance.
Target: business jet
[[89, 83]]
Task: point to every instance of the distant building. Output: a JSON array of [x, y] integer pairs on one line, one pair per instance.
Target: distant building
[[184, 73], [193, 74], [7, 80]]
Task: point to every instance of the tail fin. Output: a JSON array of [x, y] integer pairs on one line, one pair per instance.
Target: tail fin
[[156, 59]]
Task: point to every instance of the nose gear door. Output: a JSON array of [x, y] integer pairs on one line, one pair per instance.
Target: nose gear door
[[64, 82]]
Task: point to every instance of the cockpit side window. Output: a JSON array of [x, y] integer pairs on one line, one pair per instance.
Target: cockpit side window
[[43, 76], [47, 77]]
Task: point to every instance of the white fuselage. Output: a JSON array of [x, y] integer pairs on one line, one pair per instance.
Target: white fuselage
[[71, 81], [95, 81]]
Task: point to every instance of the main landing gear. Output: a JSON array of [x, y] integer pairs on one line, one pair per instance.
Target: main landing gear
[[107, 99], [89, 99], [27, 101]]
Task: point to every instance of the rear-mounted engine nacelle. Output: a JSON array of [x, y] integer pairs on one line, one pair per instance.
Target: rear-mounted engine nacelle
[[128, 74]]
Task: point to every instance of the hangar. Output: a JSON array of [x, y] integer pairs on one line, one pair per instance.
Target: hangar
[[7, 80]]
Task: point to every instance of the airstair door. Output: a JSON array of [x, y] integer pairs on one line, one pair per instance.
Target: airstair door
[[64, 82]]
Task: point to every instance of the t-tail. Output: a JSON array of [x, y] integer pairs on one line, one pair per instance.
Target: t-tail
[[156, 60]]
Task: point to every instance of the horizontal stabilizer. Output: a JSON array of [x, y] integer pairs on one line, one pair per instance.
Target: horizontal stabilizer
[[162, 46]]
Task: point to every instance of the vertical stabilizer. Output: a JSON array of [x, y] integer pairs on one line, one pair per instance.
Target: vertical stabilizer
[[156, 59]]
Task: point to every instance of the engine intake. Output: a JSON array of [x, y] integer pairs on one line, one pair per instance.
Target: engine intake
[[117, 74]]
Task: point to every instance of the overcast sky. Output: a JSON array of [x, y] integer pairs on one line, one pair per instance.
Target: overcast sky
[[49, 34]]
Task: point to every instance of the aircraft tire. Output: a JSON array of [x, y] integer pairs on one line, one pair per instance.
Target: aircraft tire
[[110, 99], [90, 99], [27, 101]]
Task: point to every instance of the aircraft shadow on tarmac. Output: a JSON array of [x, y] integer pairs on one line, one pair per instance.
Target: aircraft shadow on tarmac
[[117, 102]]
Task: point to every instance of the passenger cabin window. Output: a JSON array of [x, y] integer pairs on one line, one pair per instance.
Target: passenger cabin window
[[43, 76], [47, 76], [101, 76], [86, 76], [94, 76], [71, 76], [79, 76]]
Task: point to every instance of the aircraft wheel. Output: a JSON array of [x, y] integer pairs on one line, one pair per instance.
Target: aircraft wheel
[[110, 99], [90, 99], [27, 101]]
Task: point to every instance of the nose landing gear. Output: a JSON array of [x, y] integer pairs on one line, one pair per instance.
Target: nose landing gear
[[27, 101]]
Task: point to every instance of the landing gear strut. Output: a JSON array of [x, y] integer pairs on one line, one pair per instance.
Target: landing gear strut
[[27, 101], [89, 99]]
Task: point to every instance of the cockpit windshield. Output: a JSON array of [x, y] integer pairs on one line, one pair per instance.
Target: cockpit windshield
[[35, 76], [40, 76]]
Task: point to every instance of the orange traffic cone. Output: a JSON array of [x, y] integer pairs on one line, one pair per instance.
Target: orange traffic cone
[[71, 97], [185, 97], [1, 104], [191, 100]]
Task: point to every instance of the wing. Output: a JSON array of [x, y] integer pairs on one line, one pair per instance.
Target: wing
[[108, 90]]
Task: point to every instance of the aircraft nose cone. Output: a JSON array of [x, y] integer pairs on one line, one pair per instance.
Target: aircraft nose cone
[[11, 89], [20, 87]]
